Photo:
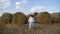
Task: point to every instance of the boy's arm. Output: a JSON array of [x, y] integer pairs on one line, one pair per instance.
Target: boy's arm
[[28, 20]]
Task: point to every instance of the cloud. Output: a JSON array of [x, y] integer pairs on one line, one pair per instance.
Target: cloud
[[39, 8], [36, 2], [24, 1], [19, 5], [4, 3]]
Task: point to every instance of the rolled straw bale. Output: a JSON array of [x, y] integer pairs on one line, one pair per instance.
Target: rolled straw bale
[[19, 18], [6, 18], [55, 17], [43, 18]]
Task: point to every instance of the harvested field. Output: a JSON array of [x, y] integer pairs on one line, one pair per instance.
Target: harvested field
[[2, 27], [42, 26], [38, 29]]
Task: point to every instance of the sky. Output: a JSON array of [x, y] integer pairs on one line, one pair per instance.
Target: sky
[[29, 6]]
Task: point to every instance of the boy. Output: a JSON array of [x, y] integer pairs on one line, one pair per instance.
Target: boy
[[31, 21]]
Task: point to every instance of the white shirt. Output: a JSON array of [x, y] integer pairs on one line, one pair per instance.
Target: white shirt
[[31, 19]]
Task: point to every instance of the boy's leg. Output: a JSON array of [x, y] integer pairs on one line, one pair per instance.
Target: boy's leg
[[30, 25]]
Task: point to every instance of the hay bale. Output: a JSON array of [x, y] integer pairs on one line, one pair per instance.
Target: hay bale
[[35, 13], [19, 18], [6, 18], [55, 17], [43, 18], [0, 19]]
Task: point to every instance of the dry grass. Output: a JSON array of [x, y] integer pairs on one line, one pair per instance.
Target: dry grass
[[38, 29], [2, 27]]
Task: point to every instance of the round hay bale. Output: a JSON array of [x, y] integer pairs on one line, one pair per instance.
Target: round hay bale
[[0, 20], [35, 13], [55, 17], [19, 18], [43, 18], [6, 18]]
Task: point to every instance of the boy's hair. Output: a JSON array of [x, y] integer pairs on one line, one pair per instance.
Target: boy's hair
[[31, 15]]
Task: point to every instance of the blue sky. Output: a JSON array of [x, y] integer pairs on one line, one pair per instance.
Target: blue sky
[[29, 6]]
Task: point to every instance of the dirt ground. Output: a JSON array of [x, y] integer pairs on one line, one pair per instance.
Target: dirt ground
[[37, 29]]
